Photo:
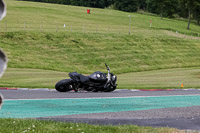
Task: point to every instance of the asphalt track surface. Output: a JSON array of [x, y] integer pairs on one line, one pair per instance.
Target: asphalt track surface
[[184, 114]]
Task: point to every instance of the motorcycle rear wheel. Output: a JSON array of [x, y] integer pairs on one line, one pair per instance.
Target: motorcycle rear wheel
[[64, 85]]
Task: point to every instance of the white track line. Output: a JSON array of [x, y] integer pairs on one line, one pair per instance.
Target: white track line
[[105, 97]]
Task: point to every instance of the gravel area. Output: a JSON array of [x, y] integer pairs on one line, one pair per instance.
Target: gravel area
[[187, 118]]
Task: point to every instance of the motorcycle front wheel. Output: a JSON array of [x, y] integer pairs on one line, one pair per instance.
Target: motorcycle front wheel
[[109, 89], [64, 85]]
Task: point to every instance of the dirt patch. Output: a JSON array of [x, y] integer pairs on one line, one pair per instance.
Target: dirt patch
[[179, 35]]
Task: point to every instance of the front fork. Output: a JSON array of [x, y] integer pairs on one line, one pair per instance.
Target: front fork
[[108, 83]]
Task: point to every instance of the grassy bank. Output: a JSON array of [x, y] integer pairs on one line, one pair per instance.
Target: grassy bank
[[86, 53], [19, 126]]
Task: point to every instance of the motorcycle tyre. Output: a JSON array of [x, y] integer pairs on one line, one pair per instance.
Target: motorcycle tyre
[[94, 90], [63, 85], [109, 89]]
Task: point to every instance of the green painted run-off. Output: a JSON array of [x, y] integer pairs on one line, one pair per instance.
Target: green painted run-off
[[56, 107]]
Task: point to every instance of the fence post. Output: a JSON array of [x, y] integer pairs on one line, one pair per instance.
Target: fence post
[[64, 26], [129, 32]]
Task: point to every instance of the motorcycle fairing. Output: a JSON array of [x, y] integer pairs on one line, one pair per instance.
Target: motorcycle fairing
[[84, 79], [98, 77], [95, 77]]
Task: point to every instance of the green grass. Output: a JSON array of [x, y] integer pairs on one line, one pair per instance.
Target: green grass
[[87, 53], [51, 17], [32, 78], [19, 126], [157, 79], [161, 79]]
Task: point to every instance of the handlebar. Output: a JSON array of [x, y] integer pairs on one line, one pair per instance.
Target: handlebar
[[107, 67]]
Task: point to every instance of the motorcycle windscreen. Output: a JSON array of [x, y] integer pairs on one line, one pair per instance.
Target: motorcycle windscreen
[[98, 77]]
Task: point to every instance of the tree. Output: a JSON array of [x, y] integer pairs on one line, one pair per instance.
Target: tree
[[197, 12], [142, 4], [192, 9], [126, 5], [108, 2], [164, 8]]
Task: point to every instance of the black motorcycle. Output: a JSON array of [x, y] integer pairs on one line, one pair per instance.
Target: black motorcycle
[[98, 81]]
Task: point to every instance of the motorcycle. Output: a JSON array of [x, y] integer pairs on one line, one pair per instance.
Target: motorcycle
[[97, 81]]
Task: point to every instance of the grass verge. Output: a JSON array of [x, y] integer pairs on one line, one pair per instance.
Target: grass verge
[[157, 79], [28, 125]]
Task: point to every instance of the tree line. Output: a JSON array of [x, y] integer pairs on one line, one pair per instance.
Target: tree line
[[86, 3], [189, 9]]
